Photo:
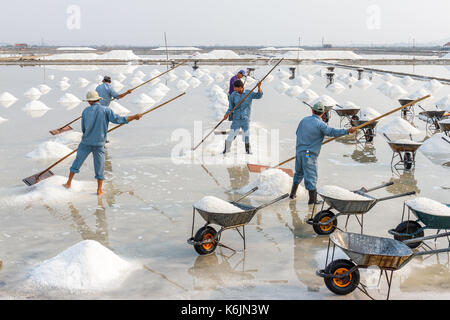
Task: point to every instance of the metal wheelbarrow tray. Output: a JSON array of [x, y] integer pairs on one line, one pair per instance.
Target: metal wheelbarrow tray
[[342, 276], [206, 239], [325, 221], [411, 229]]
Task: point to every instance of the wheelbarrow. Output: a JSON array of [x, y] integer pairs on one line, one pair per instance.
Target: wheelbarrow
[[432, 119], [346, 115], [404, 152], [206, 239], [368, 131], [342, 276], [445, 127], [325, 221], [408, 112], [411, 229]]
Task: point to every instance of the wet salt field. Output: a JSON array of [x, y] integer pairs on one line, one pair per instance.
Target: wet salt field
[[145, 216]]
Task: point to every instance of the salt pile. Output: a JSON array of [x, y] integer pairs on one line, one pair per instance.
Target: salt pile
[[436, 145], [120, 77], [339, 193], [396, 92], [116, 85], [185, 75], [156, 94], [49, 150], [136, 81], [194, 82], [207, 79], [368, 113], [433, 85], [348, 105], [294, 91], [384, 87], [363, 84], [139, 74], [283, 75], [119, 55], [407, 81], [218, 77], [44, 89], [69, 100], [35, 105], [69, 137], [302, 82], [144, 99], [308, 96], [336, 88], [389, 77], [398, 126], [281, 87], [118, 108], [326, 100], [213, 204], [33, 94], [3, 120], [182, 85], [406, 141], [51, 76], [99, 78], [63, 85], [217, 54], [271, 182], [7, 99], [171, 76], [83, 82], [65, 79], [419, 94], [86, 265], [165, 89], [429, 206]]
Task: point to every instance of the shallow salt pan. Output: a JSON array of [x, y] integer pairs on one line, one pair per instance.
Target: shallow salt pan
[[86, 265]]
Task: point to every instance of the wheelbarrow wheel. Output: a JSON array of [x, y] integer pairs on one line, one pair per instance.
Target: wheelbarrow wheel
[[368, 135], [408, 161], [321, 217], [409, 227], [205, 233], [345, 285]]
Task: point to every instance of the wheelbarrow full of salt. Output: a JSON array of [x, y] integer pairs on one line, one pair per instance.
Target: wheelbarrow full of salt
[[206, 239]]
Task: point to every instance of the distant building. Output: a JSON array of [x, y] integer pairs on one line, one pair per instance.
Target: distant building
[[446, 46], [20, 46], [327, 45]]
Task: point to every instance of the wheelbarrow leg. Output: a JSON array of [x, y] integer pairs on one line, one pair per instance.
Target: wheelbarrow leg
[[193, 220], [389, 282]]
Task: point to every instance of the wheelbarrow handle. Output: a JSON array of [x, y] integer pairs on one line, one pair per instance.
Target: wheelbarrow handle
[[397, 196], [435, 236], [423, 253], [374, 188], [247, 194], [273, 201]]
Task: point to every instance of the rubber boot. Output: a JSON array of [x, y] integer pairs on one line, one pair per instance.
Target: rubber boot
[[247, 148], [293, 194], [227, 147], [313, 197]]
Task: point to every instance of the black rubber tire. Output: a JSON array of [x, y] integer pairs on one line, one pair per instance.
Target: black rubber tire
[[344, 285], [409, 227], [408, 161], [202, 234], [369, 135], [354, 118], [324, 229]]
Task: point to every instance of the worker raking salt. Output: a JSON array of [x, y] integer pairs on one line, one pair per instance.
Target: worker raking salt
[[94, 125], [106, 92], [240, 116], [310, 134]]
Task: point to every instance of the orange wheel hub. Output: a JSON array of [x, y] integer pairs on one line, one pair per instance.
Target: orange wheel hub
[[344, 281], [209, 245], [326, 227]]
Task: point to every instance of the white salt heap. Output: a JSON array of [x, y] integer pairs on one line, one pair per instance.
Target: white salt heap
[[398, 126], [49, 150], [144, 99], [396, 92], [302, 82], [283, 75], [69, 100], [308, 96], [213, 204], [441, 103], [157, 94], [433, 85], [429, 206], [419, 94], [116, 85], [407, 81], [86, 265], [136, 81], [294, 91], [326, 100], [339, 193], [63, 85], [368, 113], [436, 145], [69, 137], [82, 82], [119, 55], [118, 108], [194, 82], [206, 78], [281, 87], [33, 93], [185, 75], [363, 84], [182, 85], [271, 182], [44, 89], [139, 74], [336, 87], [3, 120], [7, 99], [35, 105]]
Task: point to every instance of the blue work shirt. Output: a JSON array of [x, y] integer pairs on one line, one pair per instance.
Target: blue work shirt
[[243, 111], [105, 91], [311, 132], [94, 124]]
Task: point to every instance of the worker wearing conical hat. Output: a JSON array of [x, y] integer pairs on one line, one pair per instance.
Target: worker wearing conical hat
[[310, 134], [94, 125], [106, 92]]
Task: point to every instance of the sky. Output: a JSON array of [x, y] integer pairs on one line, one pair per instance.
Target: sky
[[228, 23]]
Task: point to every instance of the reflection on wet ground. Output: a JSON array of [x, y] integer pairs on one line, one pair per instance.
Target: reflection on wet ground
[[403, 182]]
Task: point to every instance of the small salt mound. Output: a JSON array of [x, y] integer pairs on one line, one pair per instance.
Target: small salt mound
[[283, 75], [63, 85], [120, 77], [309, 77], [213, 204], [339, 193], [154, 73], [163, 88], [281, 87], [217, 54], [363, 84], [69, 137], [294, 91], [116, 85], [388, 77], [83, 82], [249, 81], [51, 76], [302, 82], [185, 75], [44, 89], [326, 100], [384, 87], [49, 150], [194, 82], [336, 88], [436, 145], [406, 141], [65, 79], [144, 99], [35, 105], [136, 81], [207, 79], [269, 78], [350, 80], [182, 85], [407, 81], [349, 105], [118, 108], [119, 55], [442, 103], [171, 76], [433, 85], [86, 265], [271, 182], [419, 94], [218, 77], [398, 126], [396, 92], [139, 74], [99, 78], [368, 113], [7, 99], [308, 96], [69, 100], [156, 94], [33, 93], [198, 73], [3, 120], [429, 206]]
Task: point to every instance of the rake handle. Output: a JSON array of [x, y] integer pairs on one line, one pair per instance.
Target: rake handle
[[367, 123], [242, 100]]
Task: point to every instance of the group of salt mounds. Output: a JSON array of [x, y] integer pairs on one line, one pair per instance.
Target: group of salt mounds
[[49, 150], [213, 204], [217, 54], [397, 128], [336, 192], [321, 54], [86, 265], [271, 182], [7, 99]]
